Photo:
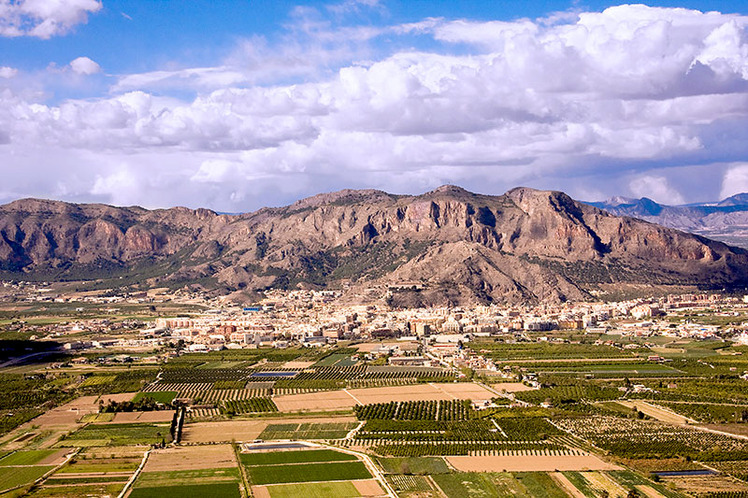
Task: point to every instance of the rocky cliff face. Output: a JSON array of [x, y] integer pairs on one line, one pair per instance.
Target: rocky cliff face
[[451, 245]]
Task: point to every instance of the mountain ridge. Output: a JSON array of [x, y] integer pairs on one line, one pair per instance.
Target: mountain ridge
[[725, 220], [523, 246]]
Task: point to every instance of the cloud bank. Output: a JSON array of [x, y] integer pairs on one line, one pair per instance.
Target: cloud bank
[[590, 103]]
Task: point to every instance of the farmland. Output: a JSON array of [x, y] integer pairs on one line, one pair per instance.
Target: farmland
[[426, 430], [284, 472], [118, 435]]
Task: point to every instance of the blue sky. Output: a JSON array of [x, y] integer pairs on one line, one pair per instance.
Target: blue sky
[[164, 102]]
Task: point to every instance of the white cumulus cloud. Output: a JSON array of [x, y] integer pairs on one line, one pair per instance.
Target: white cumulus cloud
[[85, 66], [43, 18]]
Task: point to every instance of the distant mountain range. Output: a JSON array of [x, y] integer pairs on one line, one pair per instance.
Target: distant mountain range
[[447, 246], [726, 220]]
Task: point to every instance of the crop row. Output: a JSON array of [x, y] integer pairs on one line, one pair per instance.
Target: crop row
[[206, 393], [473, 448]]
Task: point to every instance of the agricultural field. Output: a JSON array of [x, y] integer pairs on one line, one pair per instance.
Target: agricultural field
[[645, 439], [249, 430], [118, 435], [543, 350], [303, 472], [435, 428], [282, 473], [92, 472], [307, 431]]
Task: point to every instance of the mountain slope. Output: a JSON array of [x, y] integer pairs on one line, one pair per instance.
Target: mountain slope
[[726, 220], [445, 246]]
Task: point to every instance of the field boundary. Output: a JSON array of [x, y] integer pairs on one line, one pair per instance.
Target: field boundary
[[125, 491]]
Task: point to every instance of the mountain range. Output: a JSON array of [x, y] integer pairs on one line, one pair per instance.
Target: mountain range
[[447, 246], [726, 220]]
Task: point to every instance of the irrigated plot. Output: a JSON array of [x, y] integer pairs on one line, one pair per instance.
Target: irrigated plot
[[300, 456], [214, 490], [220, 482], [329, 471], [308, 431]]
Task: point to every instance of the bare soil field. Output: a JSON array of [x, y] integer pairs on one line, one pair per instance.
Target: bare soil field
[[244, 430], [534, 463], [650, 492], [511, 387], [702, 484], [464, 390], [435, 392], [656, 412], [56, 458], [155, 416], [739, 429], [260, 492], [369, 487], [321, 401], [218, 456], [340, 400]]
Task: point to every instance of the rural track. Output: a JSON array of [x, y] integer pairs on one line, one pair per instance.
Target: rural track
[[128, 485]]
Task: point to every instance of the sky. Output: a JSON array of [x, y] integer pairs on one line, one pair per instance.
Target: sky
[[240, 104]]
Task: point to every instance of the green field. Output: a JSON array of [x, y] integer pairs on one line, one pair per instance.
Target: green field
[[314, 490], [305, 456], [165, 397], [414, 465], [10, 477], [475, 484], [276, 474], [216, 490], [84, 466], [84, 490], [26, 457], [185, 477], [96, 380], [118, 435], [336, 360], [540, 485], [307, 431]]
